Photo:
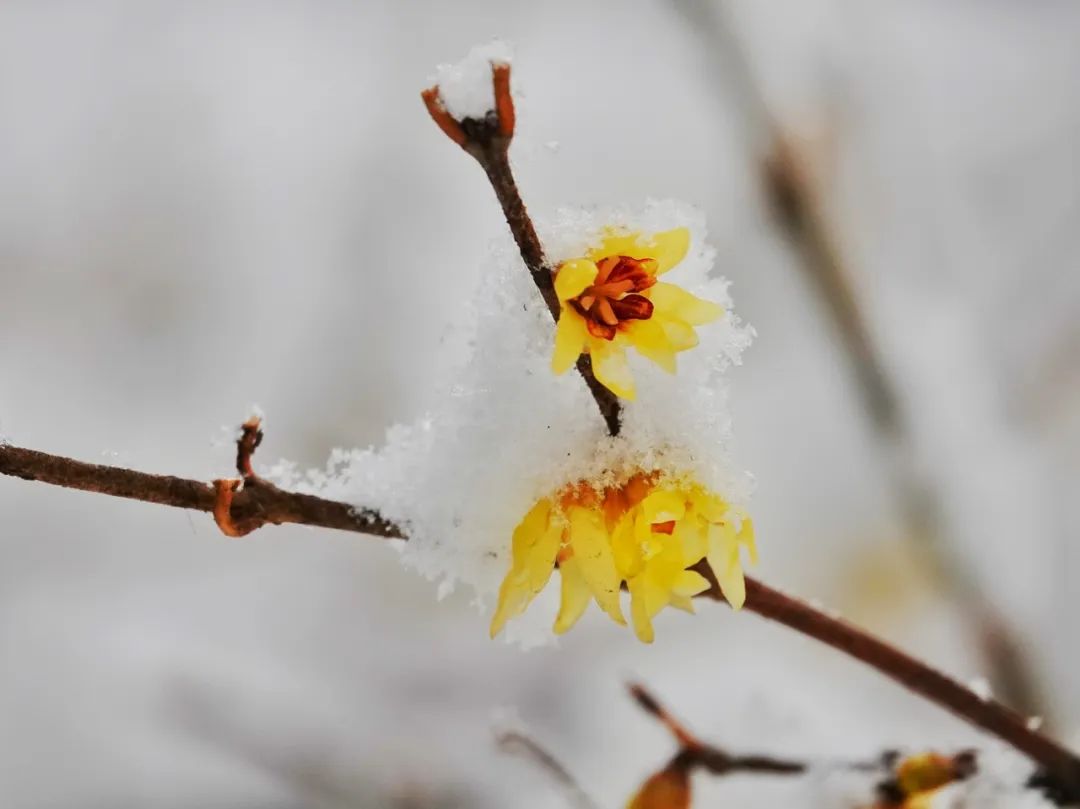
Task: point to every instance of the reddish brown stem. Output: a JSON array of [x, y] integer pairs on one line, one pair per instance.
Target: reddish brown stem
[[258, 499], [488, 141], [915, 675]]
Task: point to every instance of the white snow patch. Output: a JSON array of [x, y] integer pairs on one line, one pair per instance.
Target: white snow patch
[[466, 86]]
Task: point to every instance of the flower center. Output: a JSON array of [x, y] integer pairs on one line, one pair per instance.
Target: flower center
[[613, 298]]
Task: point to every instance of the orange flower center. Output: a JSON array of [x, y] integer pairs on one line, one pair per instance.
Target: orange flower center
[[613, 298]]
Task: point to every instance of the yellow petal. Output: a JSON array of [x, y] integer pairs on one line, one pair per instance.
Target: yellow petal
[[674, 301], [691, 539], [618, 243], [611, 368], [592, 550], [711, 507], [651, 342], [574, 597], [664, 505], [681, 335], [723, 558], [638, 612], [668, 248], [657, 593], [534, 546], [624, 548], [684, 603], [570, 335], [746, 538], [573, 277], [689, 583]]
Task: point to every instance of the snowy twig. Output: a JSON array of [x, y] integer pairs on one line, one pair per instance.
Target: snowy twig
[[488, 140], [268, 504], [694, 754]]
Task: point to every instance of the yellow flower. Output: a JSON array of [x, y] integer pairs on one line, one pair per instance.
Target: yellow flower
[[920, 777], [611, 299], [645, 531]]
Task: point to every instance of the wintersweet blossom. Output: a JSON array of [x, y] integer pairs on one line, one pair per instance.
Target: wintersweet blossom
[[647, 532], [611, 299]]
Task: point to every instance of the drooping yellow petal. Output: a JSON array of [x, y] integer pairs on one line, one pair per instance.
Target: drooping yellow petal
[[570, 335], [684, 603], [668, 248], [611, 368], [533, 548], [624, 547], [638, 611], [746, 538], [674, 301], [592, 549], [723, 558], [681, 335], [689, 583], [573, 277], [651, 342], [574, 597], [691, 539]]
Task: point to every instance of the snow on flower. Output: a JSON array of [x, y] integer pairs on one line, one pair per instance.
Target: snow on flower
[[610, 299], [503, 434], [645, 532]]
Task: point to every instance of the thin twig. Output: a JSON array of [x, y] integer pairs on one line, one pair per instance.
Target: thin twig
[[273, 505], [695, 753], [488, 141], [913, 674], [519, 744]]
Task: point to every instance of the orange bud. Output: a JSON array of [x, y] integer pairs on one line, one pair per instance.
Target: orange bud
[[667, 789]]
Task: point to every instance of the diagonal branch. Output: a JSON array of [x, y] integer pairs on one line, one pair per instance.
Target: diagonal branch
[[799, 214], [259, 499], [694, 753], [488, 141]]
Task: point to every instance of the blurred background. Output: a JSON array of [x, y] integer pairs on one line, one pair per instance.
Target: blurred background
[[207, 205]]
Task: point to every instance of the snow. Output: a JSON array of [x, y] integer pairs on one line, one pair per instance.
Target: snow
[[505, 432], [465, 86]]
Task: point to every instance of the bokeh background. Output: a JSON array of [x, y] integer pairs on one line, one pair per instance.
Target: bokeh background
[[207, 205]]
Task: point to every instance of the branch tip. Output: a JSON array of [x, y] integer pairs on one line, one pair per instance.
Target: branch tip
[[504, 102], [441, 115]]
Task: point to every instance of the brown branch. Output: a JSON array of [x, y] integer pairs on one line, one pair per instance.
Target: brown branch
[[694, 753], [258, 500], [266, 502], [1062, 765], [488, 141]]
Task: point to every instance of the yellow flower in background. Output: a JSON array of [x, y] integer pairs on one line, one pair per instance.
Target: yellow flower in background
[[921, 777], [645, 532], [611, 299]]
